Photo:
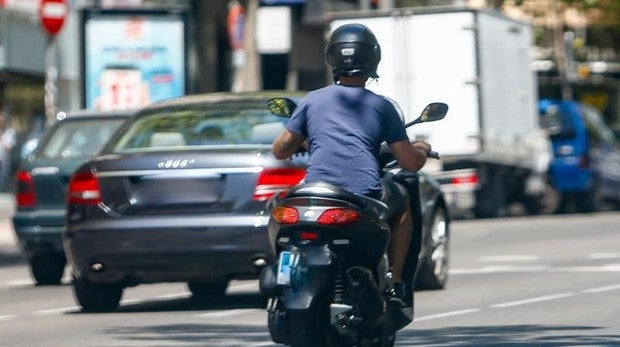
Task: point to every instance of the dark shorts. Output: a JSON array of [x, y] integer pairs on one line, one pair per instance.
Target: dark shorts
[[393, 194]]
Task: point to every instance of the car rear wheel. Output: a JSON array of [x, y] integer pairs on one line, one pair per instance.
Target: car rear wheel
[[208, 291], [433, 273], [47, 268], [97, 297]]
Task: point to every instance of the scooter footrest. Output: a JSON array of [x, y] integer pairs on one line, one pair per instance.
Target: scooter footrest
[[397, 317]]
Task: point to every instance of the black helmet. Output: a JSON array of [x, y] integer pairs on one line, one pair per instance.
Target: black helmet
[[353, 50]]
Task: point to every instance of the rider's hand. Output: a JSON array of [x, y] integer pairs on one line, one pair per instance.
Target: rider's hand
[[423, 146]]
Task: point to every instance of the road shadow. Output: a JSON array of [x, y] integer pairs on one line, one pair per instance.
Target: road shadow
[[11, 258], [508, 335], [207, 335], [230, 302], [244, 335]]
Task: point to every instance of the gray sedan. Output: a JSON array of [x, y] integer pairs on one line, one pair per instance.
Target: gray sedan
[[42, 179], [178, 195]]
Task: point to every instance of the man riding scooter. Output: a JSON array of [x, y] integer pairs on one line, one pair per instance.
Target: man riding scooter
[[343, 126]]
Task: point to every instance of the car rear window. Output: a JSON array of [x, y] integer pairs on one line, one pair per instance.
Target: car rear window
[[229, 124], [558, 123], [79, 138]]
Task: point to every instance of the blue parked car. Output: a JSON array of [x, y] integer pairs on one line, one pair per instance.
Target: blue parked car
[[586, 165]]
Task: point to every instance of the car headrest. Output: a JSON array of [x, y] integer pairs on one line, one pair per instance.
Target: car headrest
[[167, 139], [267, 132]]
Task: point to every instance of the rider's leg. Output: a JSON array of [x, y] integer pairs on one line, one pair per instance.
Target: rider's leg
[[400, 226]]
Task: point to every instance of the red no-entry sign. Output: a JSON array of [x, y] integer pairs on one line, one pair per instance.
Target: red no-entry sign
[[52, 14]]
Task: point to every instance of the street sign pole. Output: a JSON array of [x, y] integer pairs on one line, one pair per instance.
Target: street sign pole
[[52, 14], [51, 78]]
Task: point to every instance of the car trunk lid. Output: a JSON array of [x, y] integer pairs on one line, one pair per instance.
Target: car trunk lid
[[209, 181], [50, 179]]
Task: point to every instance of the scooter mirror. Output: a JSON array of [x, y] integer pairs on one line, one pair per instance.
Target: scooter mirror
[[281, 107], [434, 111], [431, 113]]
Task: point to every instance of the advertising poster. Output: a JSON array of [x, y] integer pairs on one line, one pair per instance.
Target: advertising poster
[[131, 60]]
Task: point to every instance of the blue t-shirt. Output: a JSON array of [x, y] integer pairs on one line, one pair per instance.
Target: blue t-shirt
[[345, 127]]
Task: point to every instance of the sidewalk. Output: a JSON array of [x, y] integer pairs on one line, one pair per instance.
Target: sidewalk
[[7, 208]]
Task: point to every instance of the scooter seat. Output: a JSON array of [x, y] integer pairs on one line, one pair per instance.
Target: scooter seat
[[330, 191]]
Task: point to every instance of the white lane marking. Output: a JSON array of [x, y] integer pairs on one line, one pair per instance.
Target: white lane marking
[[6, 318], [173, 296], [19, 282], [446, 314], [534, 268], [533, 300], [164, 297], [602, 268], [258, 344], [226, 313], [128, 301], [56, 311], [498, 269], [602, 289], [604, 256], [243, 286], [62, 310], [22, 282], [509, 258]]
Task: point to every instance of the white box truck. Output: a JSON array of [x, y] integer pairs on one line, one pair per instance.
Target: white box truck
[[493, 151]]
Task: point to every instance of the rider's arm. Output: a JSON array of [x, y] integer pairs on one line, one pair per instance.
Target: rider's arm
[[410, 156], [287, 144]]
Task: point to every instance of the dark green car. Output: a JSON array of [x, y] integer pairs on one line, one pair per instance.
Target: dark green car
[[42, 180]]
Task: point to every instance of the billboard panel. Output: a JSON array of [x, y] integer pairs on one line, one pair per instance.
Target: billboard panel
[[132, 58]]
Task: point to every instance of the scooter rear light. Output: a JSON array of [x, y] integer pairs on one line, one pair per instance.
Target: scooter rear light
[[270, 181], [338, 216], [25, 196], [84, 189], [465, 179], [285, 215], [309, 235]]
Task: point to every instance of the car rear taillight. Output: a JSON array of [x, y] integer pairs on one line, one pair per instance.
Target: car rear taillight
[[84, 189], [285, 215], [338, 216], [270, 181], [465, 179], [25, 196]]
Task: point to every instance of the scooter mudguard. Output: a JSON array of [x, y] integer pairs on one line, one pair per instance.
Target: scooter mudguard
[[308, 277]]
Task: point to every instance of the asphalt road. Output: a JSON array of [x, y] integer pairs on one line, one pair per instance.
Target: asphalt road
[[535, 281]]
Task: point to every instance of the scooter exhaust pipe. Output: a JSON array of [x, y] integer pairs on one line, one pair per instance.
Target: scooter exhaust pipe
[[365, 293]]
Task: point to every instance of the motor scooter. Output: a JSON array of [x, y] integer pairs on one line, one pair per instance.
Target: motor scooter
[[332, 283]]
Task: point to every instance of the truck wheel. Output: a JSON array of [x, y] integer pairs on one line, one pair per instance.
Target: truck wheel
[[208, 292], [548, 202], [47, 268], [592, 200], [433, 273], [97, 297], [491, 199]]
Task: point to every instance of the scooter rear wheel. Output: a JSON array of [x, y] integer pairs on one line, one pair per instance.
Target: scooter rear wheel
[[310, 328]]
